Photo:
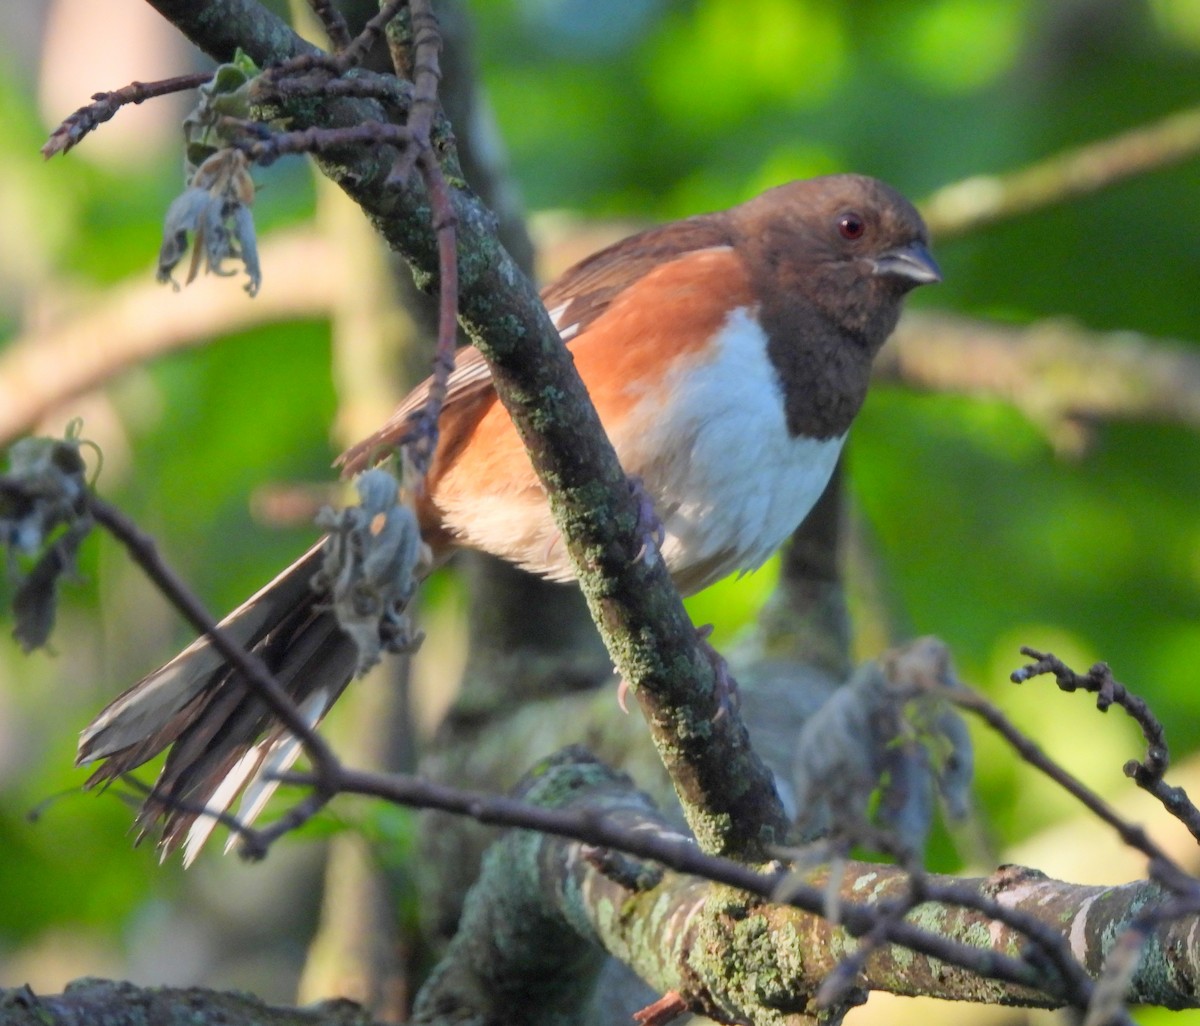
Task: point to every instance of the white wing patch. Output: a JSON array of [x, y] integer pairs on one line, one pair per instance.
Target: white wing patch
[[260, 765], [565, 331]]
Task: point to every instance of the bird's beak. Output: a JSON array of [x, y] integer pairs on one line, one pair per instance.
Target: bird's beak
[[913, 262]]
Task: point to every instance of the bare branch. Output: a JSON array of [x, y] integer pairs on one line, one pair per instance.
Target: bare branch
[[419, 62], [980, 200], [1162, 866], [105, 105], [423, 438], [144, 552], [1148, 773], [373, 30], [332, 21]]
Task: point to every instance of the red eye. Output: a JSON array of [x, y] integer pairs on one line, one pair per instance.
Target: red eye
[[851, 226]]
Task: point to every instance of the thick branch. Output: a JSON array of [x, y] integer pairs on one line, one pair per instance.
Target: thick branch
[[87, 1001], [742, 958], [546, 910]]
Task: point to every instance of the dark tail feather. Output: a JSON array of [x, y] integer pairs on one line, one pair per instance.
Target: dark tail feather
[[220, 734]]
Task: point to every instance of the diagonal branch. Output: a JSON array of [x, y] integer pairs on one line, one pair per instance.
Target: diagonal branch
[[727, 792], [1163, 867], [1148, 773], [144, 551], [982, 200]]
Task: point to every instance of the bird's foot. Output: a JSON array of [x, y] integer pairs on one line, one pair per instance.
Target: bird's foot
[[649, 527], [623, 695], [727, 690], [728, 698]]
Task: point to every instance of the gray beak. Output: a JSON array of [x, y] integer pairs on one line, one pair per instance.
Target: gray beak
[[913, 262]]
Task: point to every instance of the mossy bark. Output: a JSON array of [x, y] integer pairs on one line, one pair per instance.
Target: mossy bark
[[725, 790]]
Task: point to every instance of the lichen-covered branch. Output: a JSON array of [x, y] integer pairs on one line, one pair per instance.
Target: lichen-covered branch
[[88, 1001], [747, 944], [726, 791], [740, 957]]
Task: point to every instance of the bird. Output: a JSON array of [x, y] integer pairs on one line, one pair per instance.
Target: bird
[[726, 355]]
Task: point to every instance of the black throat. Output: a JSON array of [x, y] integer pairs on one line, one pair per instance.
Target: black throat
[[824, 368]]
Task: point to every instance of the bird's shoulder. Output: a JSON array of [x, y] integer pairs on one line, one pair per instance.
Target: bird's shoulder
[[575, 301], [585, 291]]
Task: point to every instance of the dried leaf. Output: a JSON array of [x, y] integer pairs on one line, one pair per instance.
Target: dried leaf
[[888, 734], [43, 517], [373, 556], [215, 210]]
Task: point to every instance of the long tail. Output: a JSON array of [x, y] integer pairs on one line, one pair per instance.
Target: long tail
[[223, 739]]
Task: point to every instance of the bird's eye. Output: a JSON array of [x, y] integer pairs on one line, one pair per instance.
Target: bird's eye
[[851, 226]]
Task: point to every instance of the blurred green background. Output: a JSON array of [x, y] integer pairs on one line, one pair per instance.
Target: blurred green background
[[977, 526]]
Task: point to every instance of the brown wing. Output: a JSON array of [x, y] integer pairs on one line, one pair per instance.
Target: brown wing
[[575, 300], [584, 291]]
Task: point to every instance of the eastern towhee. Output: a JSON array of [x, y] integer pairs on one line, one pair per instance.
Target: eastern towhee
[[726, 355]]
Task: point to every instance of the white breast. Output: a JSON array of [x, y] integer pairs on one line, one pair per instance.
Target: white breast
[[728, 480]]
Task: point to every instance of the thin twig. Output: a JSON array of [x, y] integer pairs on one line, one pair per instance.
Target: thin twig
[[332, 21], [1108, 691], [145, 553], [420, 63], [353, 54], [151, 795], [256, 842], [1149, 773], [426, 73], [423, 438], [365, 85], [74, 127], [1162, 866], [358, 49], [265, 147]]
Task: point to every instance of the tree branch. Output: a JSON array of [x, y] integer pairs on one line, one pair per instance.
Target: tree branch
[[730, 954], [726, 791], [141, 321], [981, 200], [104, 105], [1054, 371], [88, 1001], [143, 550], [1147, 773]]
